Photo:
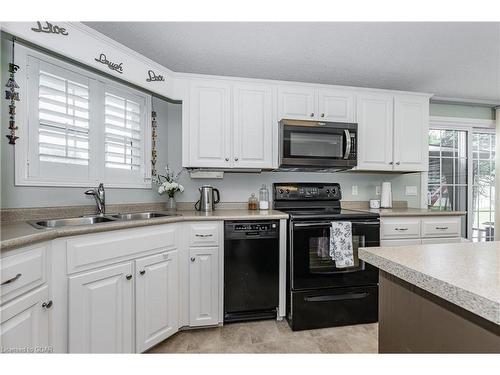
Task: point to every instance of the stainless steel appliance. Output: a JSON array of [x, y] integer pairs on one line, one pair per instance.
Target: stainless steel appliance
[[319, 294], [207, 200], [313, 145], [251, 270]]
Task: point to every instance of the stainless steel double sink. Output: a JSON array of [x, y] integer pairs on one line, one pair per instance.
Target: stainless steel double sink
[[90, 220]]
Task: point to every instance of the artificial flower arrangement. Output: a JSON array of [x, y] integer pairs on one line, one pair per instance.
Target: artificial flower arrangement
[[168, 183]]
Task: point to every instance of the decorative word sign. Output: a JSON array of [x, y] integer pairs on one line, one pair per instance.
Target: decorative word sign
[[12, 95], [111, 65], [154, 126], [153, 77], [49, 29]]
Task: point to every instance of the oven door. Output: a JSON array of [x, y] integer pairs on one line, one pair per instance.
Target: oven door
[[311, 265], [316, 146]]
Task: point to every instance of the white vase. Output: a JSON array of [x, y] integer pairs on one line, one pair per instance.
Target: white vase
[[171, 204]]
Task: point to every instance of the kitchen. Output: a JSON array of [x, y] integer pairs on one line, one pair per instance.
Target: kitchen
[[95, 259]]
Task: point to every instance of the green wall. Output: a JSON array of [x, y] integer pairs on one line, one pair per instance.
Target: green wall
[[462, 110]]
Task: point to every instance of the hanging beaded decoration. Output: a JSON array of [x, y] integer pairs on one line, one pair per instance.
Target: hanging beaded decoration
[[153, 143], [13, 96]]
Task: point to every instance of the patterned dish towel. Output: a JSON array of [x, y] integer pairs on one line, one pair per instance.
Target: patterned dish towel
[[341, 244]]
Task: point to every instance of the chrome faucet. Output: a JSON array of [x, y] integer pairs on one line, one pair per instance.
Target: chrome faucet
[[100, 198]]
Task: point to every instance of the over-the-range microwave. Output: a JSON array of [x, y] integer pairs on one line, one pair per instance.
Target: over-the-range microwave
[[317, 145]]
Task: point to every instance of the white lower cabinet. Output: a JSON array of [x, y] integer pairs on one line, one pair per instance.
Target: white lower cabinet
[[101, 310], [157, 298], [401, 231], [203, 286], [24, 323]]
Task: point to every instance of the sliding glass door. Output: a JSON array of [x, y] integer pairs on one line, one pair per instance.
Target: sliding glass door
[[461, 177], [483, 188]]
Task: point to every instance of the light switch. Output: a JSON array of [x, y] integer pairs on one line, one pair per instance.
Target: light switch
[[377, 190], [411, 190], [354, 189]]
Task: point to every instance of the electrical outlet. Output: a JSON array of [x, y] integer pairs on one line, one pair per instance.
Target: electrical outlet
[[411, 190], [354, 189], [377, 190]]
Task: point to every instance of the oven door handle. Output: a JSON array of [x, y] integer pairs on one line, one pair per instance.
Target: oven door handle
[[337, 297], [329, 223], [347, 135]]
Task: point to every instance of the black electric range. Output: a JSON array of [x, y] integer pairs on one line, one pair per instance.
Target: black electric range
[[320, 294]]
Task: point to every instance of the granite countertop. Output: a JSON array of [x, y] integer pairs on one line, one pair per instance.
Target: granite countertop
[[397, 212], [465, 274], [21, 233]]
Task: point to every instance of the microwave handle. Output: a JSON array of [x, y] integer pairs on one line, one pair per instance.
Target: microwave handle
[[347, 135]]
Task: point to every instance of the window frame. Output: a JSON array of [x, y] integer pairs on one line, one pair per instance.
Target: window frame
[[470, 126], [26, 149]]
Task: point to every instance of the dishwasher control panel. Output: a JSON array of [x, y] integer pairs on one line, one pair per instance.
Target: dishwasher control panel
[[252, 227]]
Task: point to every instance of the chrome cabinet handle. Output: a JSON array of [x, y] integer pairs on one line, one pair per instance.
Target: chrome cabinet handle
[[47, 305], [312, 114], [442, 228], [203, 235], [403, 229], [322, 115], [11, 280], [142, 272], [193, 259], [397, 163], [128, 277], [236, 159], [391, 163], [227, 159]]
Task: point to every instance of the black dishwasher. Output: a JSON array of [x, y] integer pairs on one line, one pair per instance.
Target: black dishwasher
[[251, 270]]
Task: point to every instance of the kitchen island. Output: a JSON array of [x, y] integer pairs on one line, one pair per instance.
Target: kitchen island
[[440, 298]]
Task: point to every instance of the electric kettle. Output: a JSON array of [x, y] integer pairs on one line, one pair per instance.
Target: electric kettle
[[207, 200]]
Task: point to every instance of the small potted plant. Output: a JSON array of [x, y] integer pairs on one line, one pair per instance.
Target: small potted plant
[[169, 184]]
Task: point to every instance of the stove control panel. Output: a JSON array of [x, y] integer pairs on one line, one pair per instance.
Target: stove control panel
[[284, 191]]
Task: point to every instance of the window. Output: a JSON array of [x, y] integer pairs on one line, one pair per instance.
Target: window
[[462, 156], [483, 177], [82, 128], [448, 166]]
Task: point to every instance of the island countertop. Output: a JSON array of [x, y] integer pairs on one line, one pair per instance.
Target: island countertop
[[465, 274]]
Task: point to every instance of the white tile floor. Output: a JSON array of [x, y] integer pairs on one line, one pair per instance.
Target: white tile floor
[[270, 336]]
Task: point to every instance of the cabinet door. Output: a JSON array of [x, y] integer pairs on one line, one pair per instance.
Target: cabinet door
[[375, 124], [336, 105], [157, 299], [253, 126], [209, 131], [100, 310], [25, 322], [203, 286], [297, 103], [411, 128]]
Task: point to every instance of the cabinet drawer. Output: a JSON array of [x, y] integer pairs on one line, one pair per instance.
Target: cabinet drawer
[[22, 271], [204, 234], [91, 251], [441, 227], [400, 228]]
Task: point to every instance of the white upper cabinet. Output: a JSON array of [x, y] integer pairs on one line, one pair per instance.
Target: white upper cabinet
[[375, 125], [209, 124], [335, 105], [393, 131], [297, 102], [253, 121], [157, 298], [100, 310], [411, 127]]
